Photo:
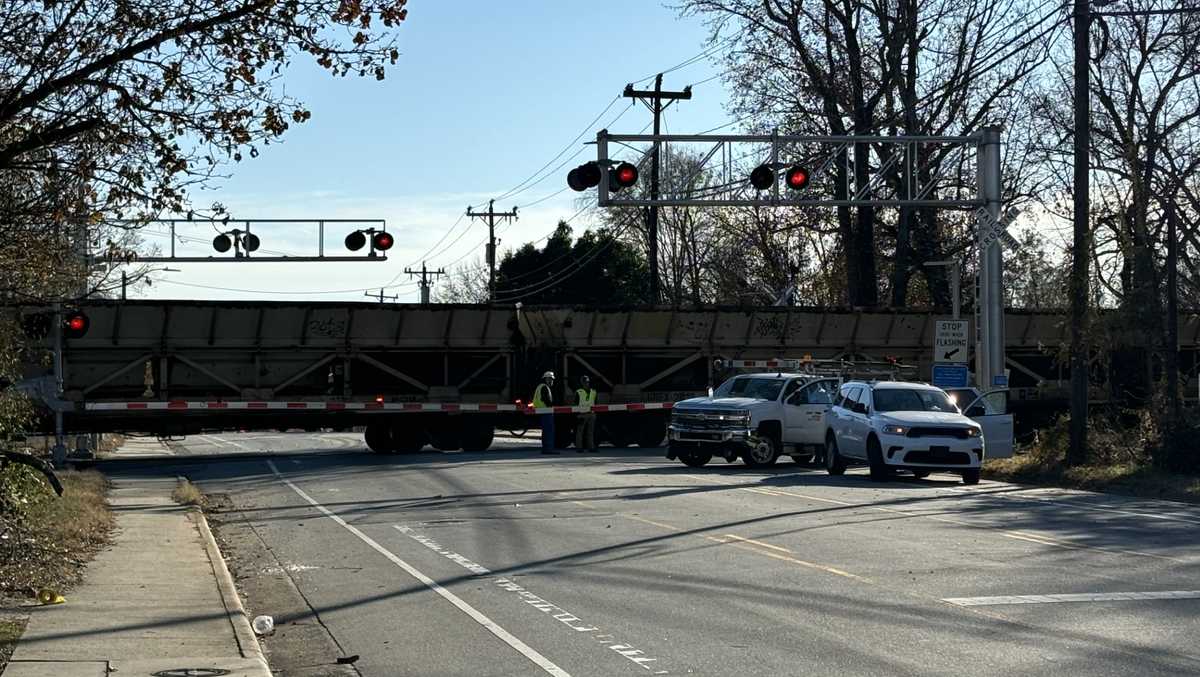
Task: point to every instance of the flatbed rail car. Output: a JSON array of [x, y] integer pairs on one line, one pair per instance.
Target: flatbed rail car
[[213, 365]]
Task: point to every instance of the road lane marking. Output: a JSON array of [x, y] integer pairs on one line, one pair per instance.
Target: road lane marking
[[764, 544], [1047, 540], [217, 441], [628, 651], [1073, 597], [491, 626], [1024, 536], [748, 544], [744, 544]]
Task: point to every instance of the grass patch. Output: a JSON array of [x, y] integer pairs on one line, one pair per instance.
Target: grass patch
[[45, 540], [186, 493], [10, 632]]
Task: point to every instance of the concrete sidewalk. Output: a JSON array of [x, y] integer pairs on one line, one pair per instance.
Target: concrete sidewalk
[[159, 599]]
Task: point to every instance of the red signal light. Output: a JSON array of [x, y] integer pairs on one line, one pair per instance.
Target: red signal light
[[75, 325], [627, 174], [383, 241], [797, 178]]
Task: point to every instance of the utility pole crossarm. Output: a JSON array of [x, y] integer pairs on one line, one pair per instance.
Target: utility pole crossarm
[[490, 217], [425, 283]]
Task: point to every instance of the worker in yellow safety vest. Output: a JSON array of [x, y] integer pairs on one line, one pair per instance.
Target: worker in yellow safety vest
[[585, 429], [543, 397]]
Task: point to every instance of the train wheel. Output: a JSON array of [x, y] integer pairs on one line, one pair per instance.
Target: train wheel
[[650, 432], [378, 437], [478, 437], [409, 438]]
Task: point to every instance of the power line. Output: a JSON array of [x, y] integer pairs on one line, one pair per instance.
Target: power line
[[684, 64], [513, 191], [267, 291]]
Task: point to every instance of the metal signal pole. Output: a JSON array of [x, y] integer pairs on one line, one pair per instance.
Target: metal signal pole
[[654, 101], [425, 283], [490, 215]]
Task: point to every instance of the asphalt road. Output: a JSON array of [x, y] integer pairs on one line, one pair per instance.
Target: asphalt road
[[622, 563]]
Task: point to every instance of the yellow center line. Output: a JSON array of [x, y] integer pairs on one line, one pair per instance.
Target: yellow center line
[[745, 544]]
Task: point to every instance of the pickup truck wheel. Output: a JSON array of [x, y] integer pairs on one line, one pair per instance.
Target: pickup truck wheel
[[763, 453], [695, 459], [834, 463], [879, 470], [970, 476]]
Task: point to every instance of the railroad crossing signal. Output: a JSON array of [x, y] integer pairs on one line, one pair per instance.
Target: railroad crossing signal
[[763, 177], [996, 229], [380, 240], [589, 175], [237, 240]]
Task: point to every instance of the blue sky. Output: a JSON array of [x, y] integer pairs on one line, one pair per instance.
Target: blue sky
[[485, 93]]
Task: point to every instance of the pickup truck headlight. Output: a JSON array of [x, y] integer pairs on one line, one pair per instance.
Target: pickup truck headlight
[[894, 430], [974, 432]]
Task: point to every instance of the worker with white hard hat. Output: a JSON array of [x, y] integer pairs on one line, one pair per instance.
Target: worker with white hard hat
[[543, 397]]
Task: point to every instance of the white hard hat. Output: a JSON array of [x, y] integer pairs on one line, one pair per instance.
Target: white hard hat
[[548, 374]]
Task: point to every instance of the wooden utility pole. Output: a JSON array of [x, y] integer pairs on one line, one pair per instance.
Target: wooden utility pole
[[425, 283], [1081, 247], [490, 217], [654, 101]]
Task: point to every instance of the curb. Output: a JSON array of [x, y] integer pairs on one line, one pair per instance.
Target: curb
[[244, 634]]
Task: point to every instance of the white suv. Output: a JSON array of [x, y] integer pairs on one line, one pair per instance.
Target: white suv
[[891, 425]]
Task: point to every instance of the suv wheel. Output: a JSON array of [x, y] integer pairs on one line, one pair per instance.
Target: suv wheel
[[834, 463], [970, 476], [763, 453], [880, 472]]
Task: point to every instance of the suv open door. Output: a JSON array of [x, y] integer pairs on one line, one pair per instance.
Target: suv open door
[[987, 410]]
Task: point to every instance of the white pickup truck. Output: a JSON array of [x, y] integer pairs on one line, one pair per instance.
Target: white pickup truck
[[760, 417], [757, 417]]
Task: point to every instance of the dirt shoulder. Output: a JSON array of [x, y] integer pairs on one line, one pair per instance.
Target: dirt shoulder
[[45, 540], [1129, 479]]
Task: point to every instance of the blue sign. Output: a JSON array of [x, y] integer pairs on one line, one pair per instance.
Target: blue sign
[[1000, 381], [950, 375]]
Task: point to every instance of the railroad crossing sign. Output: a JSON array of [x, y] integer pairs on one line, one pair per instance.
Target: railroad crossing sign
[[996, 229], [950, 341]]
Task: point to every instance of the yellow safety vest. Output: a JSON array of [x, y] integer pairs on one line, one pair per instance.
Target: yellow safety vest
[[540, 400], [586, 398]]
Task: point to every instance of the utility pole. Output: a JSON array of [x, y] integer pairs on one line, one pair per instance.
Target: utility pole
[[1082, 240], [380, 295], [425, 283], [490, 216], [654, 101]]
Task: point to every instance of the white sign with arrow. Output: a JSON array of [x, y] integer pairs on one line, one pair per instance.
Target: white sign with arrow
[[950, 341]]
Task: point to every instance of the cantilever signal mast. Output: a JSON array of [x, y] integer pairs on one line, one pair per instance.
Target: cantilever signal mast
[[491, 215], [425, 283]]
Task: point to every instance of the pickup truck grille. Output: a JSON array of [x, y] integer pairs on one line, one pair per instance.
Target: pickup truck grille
[[960, 433], [704, 420]]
